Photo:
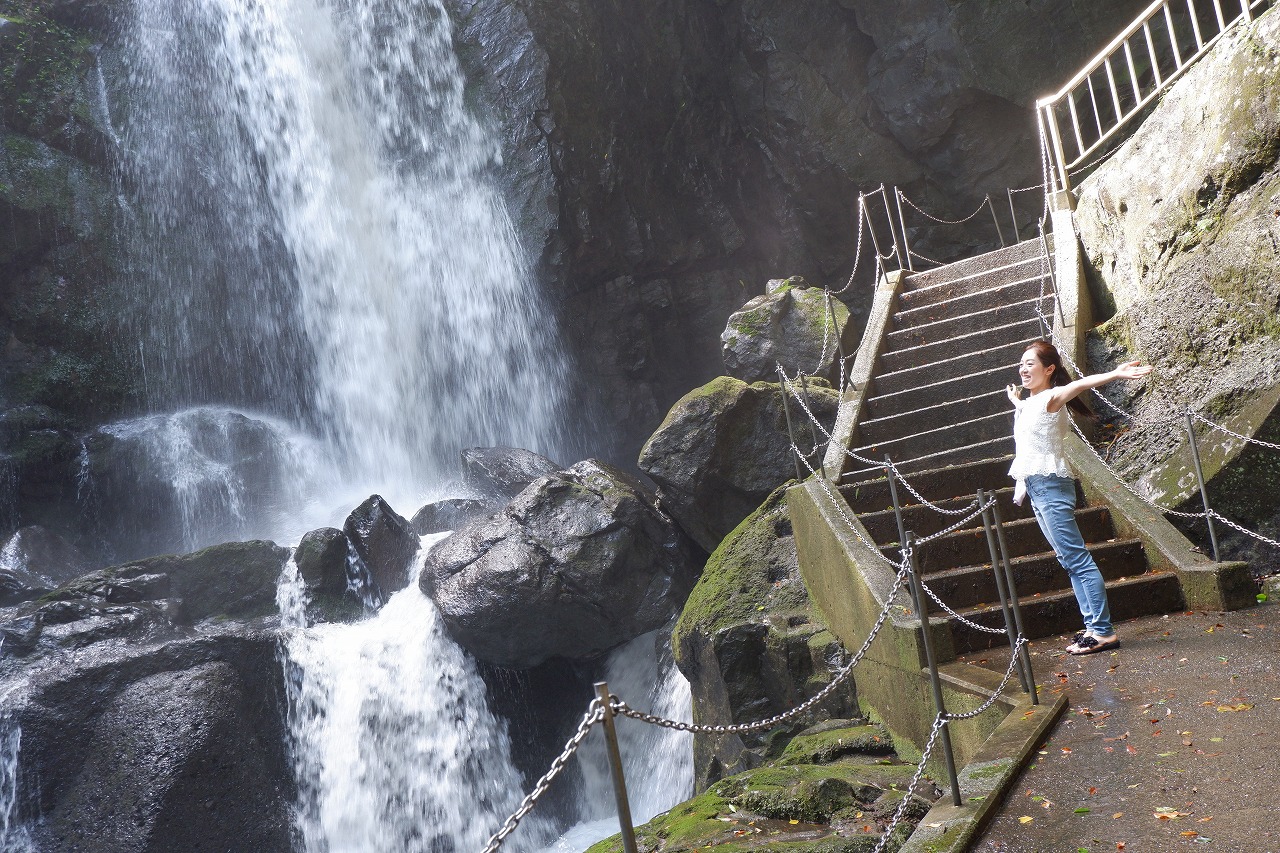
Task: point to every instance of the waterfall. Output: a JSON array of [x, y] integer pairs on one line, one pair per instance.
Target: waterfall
[[394, 746], [657, 762], [14, 838], [317, 235]]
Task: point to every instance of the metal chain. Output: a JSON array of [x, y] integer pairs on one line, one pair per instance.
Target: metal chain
[[1018, 643], [857, 252], [621, 707], [1121, 480], [961, 523], [828, 314], [1027, 189], [595, 713], [912, 489], [936, 219], [938, 722], [967, 623], [1232, 433], [916, 254], [1243, 530]]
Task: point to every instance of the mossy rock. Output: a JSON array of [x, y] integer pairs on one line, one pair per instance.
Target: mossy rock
[[826, 746], [839, 808]]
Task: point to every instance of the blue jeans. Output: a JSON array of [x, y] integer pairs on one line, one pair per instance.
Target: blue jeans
[[1053, 500]]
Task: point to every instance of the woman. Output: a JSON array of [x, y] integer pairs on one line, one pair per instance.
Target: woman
[[1041, 471]]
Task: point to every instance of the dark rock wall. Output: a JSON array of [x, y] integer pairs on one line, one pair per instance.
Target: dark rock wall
[[665, 159]]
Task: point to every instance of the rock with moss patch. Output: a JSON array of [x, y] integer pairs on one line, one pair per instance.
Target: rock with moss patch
[[792, 324], [34, 561], [752, 646], [724, 447], [581, 561]]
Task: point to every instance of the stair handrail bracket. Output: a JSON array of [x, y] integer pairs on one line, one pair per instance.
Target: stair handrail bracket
[[1136, 67]]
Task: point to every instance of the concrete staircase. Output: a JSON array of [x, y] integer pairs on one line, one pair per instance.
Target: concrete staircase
[[936, 406]]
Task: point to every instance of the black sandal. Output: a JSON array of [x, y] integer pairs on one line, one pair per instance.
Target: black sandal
[[1091, 645]]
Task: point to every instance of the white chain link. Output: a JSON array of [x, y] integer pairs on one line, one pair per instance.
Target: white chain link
[[927, 215], [1244, 530], [595, 713], [966, 622], [857, 252], [1202, 419], [1008, 676], [938, 722]]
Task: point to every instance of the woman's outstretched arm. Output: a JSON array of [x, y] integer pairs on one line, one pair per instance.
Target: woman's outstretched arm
[[1063, 394]]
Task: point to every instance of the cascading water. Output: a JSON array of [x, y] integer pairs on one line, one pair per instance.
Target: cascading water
[[318, 235], [14, 837], [395, 748]]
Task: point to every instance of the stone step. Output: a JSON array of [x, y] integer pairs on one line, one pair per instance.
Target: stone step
[[940, 438], [921, 396], [925, 521], [976, 294], [872, 493], [933, 417], [1022, 537], [1034, 574], [1051, 614], [923, 331], [1024, 255], [960, 345], [991, 449], [1003, 356]]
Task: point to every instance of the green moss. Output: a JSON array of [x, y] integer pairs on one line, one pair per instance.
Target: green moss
[[828, 746], [41, 66]]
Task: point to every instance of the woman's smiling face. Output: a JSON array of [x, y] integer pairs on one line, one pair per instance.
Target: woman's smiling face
[[1035, 376]]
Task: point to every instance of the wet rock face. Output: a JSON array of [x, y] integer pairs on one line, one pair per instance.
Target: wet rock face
[[581, 561], [664, 160], [503, 472], [723, 448], [1184, 265], [35, 560], [385, 543], [752, 646], [171, 746]]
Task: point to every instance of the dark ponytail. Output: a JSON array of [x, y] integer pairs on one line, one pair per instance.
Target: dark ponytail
[[1048, 356]]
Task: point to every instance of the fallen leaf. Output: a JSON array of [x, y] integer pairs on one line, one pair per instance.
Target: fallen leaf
[[1117, 815], [1025, 819]]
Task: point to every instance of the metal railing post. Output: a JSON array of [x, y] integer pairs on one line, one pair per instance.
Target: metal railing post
[[1246, 9], [897, 507], [902, 227], [813, 428], [1001, 589], [999, 231], [888, 214], [1204, 492], [935, 681], [786, 411], [1013, 214], [615, 770], [1012, 586], [831, 315]]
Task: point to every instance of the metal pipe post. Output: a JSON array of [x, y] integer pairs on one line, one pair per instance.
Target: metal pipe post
[[615, 770], [1001, 590], [902, 227], [1013, 214], [897, 507], [935, 681], [831, 313], [1204, 492], [786, 411], [813, 428], [999, 231], [1012, 587]]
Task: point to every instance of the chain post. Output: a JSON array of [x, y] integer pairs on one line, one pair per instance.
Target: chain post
[[1204, 492], [897, 506], [999, 231], [1024, 653], [1013, 214], [813, 430], [902, 227], [615, 769], [1002, 589], [836, 330], [786, 411], [935, 681]]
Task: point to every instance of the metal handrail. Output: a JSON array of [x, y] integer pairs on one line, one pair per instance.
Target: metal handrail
[[1175, 32]]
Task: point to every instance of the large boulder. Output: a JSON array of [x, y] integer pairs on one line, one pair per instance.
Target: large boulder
[[385, 543], [724, 447], [791, 325], [321, 557], [173, 745], [752, 645], [235, 579], [503, 472], [449, 514], [581, 561]]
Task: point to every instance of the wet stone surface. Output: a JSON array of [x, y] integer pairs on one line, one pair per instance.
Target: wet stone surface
[[1168, 745]]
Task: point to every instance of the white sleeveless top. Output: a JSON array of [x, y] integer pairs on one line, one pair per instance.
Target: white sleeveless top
[[1038, 437]]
